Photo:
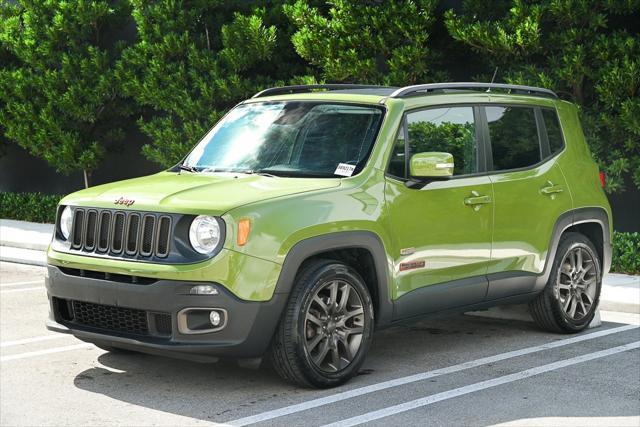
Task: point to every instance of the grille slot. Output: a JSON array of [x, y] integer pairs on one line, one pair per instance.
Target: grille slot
[[133, 229], [103, 231], [90, 230], [162, 239], [116, 233], [78, 224], [119, 319], [146, 242]]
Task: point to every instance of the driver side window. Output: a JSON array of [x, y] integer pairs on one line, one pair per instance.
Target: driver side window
[[446, 129]]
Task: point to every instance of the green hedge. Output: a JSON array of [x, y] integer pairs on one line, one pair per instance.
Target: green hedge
[[34, 207], [626, 253]]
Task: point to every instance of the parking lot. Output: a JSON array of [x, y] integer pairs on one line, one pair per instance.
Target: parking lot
[[456, 371]]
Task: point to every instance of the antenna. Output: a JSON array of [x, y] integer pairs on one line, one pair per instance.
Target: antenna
[[495, 72]]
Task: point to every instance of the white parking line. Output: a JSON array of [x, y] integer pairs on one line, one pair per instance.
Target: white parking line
[[314, 403], [33, 339], [10, 291], [43, 352], [483, 385], [31, 282]]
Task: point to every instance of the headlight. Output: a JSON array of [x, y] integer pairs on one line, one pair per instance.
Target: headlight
[[204, 234], [66, 221]]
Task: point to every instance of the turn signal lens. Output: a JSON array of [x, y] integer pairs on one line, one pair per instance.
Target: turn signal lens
[[603, 180], [244, 227]]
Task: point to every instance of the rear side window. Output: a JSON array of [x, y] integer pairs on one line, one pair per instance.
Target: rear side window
[[554, 132], [514, 137]]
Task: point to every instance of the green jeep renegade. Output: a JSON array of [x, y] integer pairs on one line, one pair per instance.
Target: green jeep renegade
[[311, 215]]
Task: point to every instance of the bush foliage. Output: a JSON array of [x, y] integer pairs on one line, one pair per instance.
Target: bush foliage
[[59, 98], [626, 253], [34, 207], [72, 73]]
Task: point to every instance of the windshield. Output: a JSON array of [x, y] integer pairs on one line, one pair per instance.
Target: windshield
[[314, 139]]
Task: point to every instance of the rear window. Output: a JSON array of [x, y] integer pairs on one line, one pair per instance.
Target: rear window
[[514, 137]]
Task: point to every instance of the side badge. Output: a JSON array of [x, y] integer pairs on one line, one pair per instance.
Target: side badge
[[407, 251], [411, 265]]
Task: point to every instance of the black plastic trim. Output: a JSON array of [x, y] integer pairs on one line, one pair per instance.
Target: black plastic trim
[[248, 332], [441, 296], [342, 240]]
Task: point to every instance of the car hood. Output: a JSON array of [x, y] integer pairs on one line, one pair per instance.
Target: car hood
[[196, 193]]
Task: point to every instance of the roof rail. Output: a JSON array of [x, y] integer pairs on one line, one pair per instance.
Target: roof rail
[[283, 90], [424, 89]]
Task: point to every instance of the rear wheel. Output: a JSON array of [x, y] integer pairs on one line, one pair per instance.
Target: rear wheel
[[571, 296], [327, 326]]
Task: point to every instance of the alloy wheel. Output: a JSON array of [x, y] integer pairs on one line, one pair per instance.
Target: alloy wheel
[[577, 282], [334, 324]]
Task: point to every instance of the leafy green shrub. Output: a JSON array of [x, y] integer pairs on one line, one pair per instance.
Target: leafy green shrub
[[59, 98], [626, 253], [34, 207]]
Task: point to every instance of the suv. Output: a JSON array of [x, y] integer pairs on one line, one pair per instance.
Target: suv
[[311, 215]]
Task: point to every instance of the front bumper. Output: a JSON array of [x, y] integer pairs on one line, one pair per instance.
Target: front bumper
[[246, 334]]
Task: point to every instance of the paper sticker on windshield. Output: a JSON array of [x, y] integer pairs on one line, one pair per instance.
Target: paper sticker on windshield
[[344, 169]]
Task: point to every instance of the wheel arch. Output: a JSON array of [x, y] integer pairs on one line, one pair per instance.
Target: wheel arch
[[362, 250], [592, 222]]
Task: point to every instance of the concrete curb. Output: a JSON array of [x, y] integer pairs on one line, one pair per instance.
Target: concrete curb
[[23, 256], [25, 235]]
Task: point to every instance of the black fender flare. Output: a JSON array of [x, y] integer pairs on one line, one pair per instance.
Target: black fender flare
[[368, 240], [568, 219]]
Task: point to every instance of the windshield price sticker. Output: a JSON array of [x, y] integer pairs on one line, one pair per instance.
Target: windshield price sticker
[[344, 169]]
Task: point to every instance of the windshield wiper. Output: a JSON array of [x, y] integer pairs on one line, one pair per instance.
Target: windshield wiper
[[261, 173], [191, 169]]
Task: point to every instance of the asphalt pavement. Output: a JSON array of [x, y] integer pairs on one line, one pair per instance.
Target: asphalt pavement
[[463, 370]]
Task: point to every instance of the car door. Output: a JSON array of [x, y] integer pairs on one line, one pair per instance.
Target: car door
[[441, 230], [530, 193]]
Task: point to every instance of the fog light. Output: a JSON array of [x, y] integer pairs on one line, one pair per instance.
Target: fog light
[[204, 290], [214, 318]]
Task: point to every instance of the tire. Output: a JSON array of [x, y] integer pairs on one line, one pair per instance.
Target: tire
[[571, 296], [300, 339]]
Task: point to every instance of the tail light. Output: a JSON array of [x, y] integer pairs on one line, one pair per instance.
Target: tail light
[[603, 180]]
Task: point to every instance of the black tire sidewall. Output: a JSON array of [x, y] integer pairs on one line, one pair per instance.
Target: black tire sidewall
[[317, 279]]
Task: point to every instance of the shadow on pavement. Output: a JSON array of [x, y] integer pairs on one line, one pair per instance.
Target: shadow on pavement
[[224, 391]]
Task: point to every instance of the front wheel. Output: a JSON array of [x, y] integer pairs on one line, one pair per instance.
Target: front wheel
[[570, 298], [326, 329]]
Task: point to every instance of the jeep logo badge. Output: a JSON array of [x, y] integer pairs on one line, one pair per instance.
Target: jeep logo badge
[[124, 201]]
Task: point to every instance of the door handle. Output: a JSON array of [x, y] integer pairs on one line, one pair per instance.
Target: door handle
[[476, 200], [551, 189]]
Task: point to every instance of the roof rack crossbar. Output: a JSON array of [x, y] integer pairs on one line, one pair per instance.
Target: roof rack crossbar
[[283, 90], [424, 89]]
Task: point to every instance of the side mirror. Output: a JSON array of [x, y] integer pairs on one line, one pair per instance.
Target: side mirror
[[431, 165]]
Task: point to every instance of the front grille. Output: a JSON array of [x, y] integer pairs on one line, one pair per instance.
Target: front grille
[[118, 319], [136, 234], [111, 319]]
